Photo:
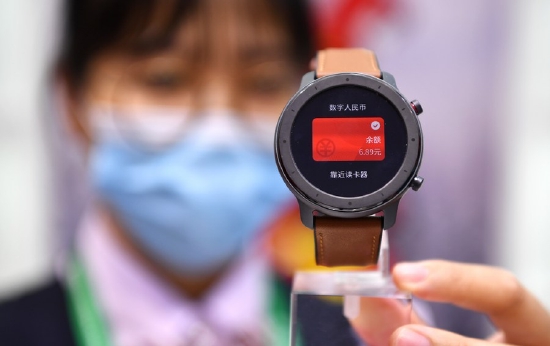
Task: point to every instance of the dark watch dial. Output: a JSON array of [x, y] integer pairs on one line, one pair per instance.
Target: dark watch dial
[[348, 141], [348, 144]]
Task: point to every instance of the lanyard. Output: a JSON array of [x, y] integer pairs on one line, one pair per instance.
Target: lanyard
[[91, 329], [279, 313]]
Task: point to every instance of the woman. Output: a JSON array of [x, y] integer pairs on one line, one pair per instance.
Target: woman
[[176, 104]]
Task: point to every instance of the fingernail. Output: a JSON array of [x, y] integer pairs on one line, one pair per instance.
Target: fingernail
[[410, 272], [408, 337]]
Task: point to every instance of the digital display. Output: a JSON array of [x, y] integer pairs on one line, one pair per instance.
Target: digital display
[[348, 139]]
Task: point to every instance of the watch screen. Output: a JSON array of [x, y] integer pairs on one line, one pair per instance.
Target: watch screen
[[348, 139]]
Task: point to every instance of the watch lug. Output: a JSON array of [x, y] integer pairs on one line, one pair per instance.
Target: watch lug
[[390, 214], [306, 215], [389, 78], [307, 79]]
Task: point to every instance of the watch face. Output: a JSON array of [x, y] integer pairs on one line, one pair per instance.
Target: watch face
[[348, 143]]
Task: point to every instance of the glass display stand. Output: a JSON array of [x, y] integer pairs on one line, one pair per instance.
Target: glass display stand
[[344, 293]]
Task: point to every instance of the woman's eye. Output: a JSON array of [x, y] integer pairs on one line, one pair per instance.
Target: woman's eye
[[165, 81], [267, 86]]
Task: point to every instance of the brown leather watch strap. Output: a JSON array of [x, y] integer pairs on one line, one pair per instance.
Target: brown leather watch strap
[[347, 242], [339, 60]]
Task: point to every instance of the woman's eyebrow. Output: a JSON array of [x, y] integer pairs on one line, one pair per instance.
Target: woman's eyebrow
[[142, 47], [263, 53], [247, 54]]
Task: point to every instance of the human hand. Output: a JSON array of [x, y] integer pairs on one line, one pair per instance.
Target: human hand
[[521, 319]]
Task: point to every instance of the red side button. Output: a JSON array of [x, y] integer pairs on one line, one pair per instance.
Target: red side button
[[417, 107]]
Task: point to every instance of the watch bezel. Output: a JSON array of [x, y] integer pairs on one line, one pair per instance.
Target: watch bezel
[[347, 206]]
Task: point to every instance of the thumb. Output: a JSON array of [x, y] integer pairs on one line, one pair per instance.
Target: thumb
[[416, 335]]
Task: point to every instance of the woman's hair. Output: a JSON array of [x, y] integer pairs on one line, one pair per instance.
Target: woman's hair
[[92, 26]]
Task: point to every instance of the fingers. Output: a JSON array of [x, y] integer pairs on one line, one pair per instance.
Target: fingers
[[414, 335], [497, 337], [380, 317], [485, 289], [464, 285]]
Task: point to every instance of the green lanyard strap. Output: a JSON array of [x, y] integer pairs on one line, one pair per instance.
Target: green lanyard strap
[[88, 324], [279, 310]]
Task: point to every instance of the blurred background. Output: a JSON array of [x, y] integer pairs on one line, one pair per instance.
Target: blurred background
[[481, 69]]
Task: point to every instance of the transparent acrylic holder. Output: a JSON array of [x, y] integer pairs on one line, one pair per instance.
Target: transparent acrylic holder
[[311, 325]]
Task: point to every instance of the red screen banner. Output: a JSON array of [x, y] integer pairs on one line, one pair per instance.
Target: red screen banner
[[348, 139]]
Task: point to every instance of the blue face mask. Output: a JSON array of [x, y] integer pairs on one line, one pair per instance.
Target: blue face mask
[[196, 204]]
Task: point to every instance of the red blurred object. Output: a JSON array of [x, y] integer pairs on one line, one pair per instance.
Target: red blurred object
[[335, 21]]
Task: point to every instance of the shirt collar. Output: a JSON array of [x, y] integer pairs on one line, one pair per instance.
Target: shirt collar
[[142, 309]]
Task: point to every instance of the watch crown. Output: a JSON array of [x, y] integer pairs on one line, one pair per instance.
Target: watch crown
[[417, 183], [417, 107]]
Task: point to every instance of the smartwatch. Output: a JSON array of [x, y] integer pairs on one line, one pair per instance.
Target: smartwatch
[[349, 145]]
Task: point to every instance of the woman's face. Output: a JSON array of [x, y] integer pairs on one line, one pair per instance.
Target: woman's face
[[229, 59], [227, 55]]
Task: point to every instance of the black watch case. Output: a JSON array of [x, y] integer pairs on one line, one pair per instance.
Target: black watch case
[[314, 200]]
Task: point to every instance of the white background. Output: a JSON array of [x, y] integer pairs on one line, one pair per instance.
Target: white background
[[27, 44]]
